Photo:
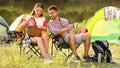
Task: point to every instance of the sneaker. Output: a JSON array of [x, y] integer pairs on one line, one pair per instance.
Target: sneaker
[[76, 59], [47, 59], [87, 58]]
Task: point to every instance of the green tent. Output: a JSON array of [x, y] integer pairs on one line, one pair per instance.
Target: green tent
[[104, 27]]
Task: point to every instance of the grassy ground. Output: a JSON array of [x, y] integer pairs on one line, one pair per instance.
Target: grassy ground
[[11, 58]]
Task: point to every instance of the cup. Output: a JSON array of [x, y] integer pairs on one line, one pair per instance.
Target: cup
[[74, 26]]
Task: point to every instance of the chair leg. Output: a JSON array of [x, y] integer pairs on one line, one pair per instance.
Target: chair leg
[[70, 54], [55, 45], [20, 49], [64, 53], [35, 51], [52, 49], [31, 49]]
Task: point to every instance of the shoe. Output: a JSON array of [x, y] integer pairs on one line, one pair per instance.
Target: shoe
[[76, 59], [47, 59], [87, 58]]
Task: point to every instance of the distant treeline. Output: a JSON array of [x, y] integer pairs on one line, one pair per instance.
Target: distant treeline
[[73, 10]]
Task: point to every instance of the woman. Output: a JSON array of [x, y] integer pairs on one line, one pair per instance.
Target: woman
[[42, 41]]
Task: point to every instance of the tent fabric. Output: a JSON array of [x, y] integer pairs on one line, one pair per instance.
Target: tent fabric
[[102, 29], [3, 27], [14, 26], [16, 23], [3, 22], [111, 13], [3, 32]]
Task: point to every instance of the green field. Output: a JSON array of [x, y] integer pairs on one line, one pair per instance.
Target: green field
[[11, 58], [75, 12]]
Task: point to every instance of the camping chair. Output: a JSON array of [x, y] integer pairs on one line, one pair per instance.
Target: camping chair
[[59, 46], [13, 35], [29, 48]]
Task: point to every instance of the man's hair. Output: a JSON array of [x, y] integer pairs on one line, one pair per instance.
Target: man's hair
[[53, 7]]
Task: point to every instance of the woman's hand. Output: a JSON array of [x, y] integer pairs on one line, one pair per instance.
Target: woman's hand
[[32, 19], [40, 27], [44, 28]]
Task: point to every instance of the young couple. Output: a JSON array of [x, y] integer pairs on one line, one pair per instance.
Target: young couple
[[57, 26]]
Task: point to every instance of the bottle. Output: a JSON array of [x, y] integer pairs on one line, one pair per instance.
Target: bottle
[[26, 40]]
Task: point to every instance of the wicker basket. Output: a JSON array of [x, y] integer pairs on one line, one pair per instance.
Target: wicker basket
[[34, 31]]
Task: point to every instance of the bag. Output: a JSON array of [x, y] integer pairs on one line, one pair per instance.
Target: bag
[[84, 30], [33, 30], [102, 47]]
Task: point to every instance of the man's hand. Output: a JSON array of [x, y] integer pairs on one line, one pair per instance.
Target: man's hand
[[71, 26]]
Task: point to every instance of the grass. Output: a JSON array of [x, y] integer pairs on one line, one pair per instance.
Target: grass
[[75, 13], [11, 58]]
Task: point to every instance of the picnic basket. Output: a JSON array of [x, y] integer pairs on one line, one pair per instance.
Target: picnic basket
[[33, 30]]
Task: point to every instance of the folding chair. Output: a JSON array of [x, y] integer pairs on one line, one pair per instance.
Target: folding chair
[[59, 46], [12, 35], [31, 48]]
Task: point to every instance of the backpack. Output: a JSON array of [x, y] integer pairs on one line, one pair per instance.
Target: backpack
[[101, 47]]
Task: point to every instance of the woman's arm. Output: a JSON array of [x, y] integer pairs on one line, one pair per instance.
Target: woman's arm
[[23, 24], [44, 27]]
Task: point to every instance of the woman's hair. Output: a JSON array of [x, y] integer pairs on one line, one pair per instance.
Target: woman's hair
[[53, 7], [37, 5]]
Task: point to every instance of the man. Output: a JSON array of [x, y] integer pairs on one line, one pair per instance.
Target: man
[[60, 26]]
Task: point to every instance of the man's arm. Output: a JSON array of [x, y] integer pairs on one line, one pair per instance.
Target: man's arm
[[60, 31], [57, 31]]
